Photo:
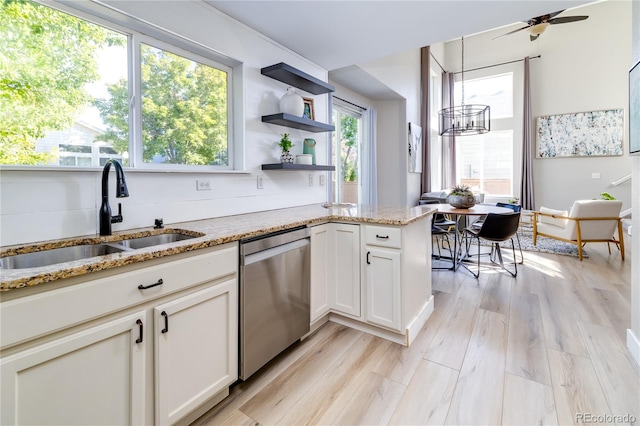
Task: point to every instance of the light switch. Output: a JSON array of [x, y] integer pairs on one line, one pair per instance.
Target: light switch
[[595, 175]]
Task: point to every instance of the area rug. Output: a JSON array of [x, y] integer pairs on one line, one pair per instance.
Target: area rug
[[544, 244]]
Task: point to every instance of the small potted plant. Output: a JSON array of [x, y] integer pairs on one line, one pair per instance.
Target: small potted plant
[[285, 144], [461, 197]]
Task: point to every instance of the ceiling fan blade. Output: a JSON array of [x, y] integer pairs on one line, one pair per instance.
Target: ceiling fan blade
[[511, 32], [567, 19], [543, 18]]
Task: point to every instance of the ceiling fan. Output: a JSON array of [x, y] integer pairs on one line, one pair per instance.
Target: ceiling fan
[[537, 25]]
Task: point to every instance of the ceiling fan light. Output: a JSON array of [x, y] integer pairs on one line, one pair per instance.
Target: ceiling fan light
[[538, 29]]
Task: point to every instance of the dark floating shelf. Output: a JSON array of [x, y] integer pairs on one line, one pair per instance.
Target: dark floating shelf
[[294, 77], [301, 123], [292, 166]]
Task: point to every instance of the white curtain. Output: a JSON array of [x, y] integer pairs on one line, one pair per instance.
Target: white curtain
[[369, 158]]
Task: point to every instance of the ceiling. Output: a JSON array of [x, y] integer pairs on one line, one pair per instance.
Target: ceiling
[[336, 34]]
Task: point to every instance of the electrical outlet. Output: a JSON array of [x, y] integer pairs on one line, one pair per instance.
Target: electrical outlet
[[203, 185], [321, 180], [259, 182], [595, 175], [310, 180]]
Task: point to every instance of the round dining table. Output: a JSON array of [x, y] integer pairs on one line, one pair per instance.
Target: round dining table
[[477, 210]]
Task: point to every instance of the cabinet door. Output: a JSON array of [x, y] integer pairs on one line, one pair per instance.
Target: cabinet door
[[320, 270], [196, 352], [95, 376], [383, 287], [346, 284]]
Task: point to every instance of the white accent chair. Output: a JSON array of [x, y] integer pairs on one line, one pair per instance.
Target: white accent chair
[[588, 221]]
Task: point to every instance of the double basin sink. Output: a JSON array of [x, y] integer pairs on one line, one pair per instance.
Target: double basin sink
[[84, 251]]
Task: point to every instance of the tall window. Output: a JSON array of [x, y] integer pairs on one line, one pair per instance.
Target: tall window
[[71, 96], [346, 143], [485, 162]]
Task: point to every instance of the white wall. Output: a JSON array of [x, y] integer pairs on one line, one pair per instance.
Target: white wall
[[633, 340], [581, 69], [42, 205], [401, 73]]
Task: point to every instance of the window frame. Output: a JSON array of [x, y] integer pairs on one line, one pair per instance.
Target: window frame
[[137, 32], [513, 123]]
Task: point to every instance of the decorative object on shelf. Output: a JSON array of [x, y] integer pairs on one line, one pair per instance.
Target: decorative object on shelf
[[461, 197], [415, 148], [309, 147], [296, 78], [303, 159], [286, 144], [292, 103], [308, 109], [463, 120], [582, 134]]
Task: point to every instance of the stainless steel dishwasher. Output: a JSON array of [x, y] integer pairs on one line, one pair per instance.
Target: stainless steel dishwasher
[[274, 295]]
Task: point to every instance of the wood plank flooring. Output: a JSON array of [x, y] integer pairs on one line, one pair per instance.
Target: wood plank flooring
[[547, 347]]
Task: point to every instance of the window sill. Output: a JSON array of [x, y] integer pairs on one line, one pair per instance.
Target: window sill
[[127, 170]]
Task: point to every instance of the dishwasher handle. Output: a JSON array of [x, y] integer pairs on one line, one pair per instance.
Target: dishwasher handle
[[272, 252]]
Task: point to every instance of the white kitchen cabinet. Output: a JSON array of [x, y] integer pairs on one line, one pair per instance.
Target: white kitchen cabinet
[[345, 288], [397, 283], [320, 243], [382, 288], [93, 376], [335, 269], [195, 349], [70, 355]]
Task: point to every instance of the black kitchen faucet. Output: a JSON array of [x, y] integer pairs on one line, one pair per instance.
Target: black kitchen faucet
[[121, 191]]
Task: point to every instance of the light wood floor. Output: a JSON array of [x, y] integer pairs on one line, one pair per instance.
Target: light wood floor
[[541, 348]]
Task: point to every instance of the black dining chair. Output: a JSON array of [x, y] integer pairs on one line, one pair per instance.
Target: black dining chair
[[496, 228], [440, 234], [516, 208]]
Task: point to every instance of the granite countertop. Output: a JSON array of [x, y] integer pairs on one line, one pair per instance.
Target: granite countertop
[[207, 232]]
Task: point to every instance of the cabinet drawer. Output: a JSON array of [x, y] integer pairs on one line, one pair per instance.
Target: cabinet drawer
[[32, 316], [383, 236]]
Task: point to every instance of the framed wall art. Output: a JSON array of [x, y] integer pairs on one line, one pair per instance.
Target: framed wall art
[[634, 109], [308, 109], [581, 134]]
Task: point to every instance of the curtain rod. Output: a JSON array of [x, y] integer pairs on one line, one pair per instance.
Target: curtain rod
[[350, 103], [497, 65], [434, 58]]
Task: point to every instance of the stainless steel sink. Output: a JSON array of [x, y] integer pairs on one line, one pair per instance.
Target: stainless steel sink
[[57, 255], [154, 240]]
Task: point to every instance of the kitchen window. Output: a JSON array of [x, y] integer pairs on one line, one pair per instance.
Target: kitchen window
[[75, 93]]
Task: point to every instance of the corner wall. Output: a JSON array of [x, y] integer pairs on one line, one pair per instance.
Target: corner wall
[[633, 334]]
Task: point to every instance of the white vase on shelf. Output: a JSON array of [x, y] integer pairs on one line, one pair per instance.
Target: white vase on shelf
[[291, 103]]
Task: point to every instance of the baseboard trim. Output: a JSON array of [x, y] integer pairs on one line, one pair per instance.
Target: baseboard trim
[[633, 344]]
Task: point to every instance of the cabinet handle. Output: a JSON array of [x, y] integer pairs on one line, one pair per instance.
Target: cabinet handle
[[166, 322], [144, 287], [368, 253], [385, 237], [140, 326]]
